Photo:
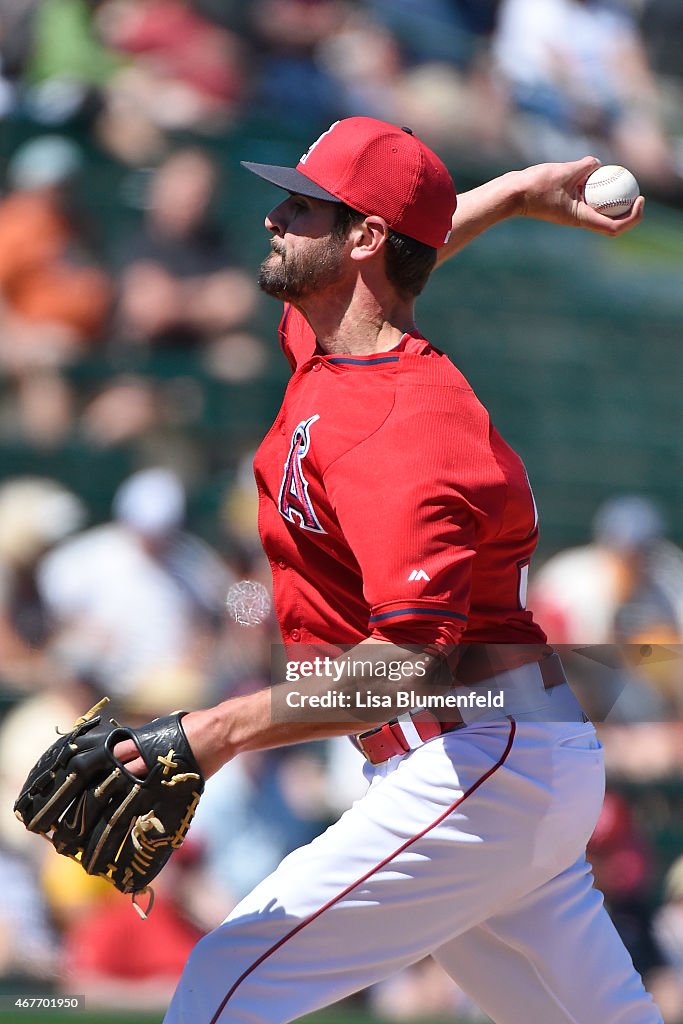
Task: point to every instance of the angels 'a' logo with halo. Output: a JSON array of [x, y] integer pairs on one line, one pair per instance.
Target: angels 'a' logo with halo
[[294, 503]]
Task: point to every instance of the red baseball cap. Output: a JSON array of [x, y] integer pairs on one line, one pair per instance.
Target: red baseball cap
[[376, 168]]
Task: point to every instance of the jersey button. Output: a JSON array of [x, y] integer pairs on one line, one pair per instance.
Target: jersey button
[[295, 635], [282, 563], [317, 366]]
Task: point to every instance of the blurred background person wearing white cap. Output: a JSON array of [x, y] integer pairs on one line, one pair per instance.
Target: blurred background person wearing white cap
[[35, 514], [137, 599], [619, 601], [629, 576]]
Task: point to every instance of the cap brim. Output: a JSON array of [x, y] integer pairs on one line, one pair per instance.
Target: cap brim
[[291, 180]]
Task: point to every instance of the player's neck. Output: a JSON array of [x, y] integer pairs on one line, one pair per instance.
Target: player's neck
[[360, 324]]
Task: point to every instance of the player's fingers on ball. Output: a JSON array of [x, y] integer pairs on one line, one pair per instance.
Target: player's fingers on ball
[[595, 221], [619, 225], [637, 211], [582, 169], [586, 165]]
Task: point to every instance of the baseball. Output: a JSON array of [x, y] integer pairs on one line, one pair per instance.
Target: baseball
[[611, 190], [248, 602]]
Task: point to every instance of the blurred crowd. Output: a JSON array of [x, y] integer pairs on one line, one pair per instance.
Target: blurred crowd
[[149, 88], [123, 597], [171, 284], [520, 75]]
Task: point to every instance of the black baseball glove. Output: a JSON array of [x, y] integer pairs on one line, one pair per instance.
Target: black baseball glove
[[90, 807]]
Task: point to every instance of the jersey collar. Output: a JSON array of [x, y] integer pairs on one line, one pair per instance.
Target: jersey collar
[[411, 342]]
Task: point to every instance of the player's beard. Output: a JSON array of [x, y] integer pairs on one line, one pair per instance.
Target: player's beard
[[291, 276]]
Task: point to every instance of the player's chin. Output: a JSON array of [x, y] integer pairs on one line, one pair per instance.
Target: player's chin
[[274, 288], [271, 278], [277, 285]]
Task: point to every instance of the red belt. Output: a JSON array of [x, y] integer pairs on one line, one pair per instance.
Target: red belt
[[390, 740]]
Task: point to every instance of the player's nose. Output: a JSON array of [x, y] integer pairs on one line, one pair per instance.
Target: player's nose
[[276, 220]]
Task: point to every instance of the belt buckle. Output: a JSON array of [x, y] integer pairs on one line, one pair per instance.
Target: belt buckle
[[360, 736], [390, 734]]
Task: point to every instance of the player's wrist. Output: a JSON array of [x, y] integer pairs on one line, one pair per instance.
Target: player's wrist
[[520, 186], [208, 734]]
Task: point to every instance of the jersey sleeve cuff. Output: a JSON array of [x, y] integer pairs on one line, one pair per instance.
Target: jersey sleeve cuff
[[422, 623], [405, 611]]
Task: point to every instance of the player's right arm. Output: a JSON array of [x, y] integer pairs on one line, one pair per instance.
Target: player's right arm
[[550, 192]]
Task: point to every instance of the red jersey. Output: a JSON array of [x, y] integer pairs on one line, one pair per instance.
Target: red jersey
[[389, 506]]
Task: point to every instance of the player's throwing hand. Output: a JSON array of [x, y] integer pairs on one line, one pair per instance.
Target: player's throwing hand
[[555, 192]]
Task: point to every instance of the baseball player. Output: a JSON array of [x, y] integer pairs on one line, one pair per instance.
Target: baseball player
[[392, 512]]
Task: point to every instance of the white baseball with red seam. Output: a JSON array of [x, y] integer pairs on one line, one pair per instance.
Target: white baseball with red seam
[[248, 602], [611, 190]]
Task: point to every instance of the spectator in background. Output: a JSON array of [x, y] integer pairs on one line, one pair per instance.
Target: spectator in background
[[667, 984], [135, 601], [117, 960], [16, 18], [623, 869], [647, 626], [577, 73], [179, 286], [410, 65], [630, 565], [67, 66], [365, 62], [126, 409], [448, 31], [35, 514], [621, 599], [28, 945], [54, 300], [417, 62], [182, 72], [291, 85]]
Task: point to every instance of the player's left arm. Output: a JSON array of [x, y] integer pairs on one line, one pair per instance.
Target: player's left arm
[[550, 192], [264, 719]]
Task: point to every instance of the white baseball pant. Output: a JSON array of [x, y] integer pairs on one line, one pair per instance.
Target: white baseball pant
[[471, 848]]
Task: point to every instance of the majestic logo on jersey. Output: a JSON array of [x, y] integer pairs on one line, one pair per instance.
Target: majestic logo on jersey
[[418, 574], [294, 503]]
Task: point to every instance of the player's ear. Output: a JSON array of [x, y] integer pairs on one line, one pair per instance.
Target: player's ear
[[368, 237]]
